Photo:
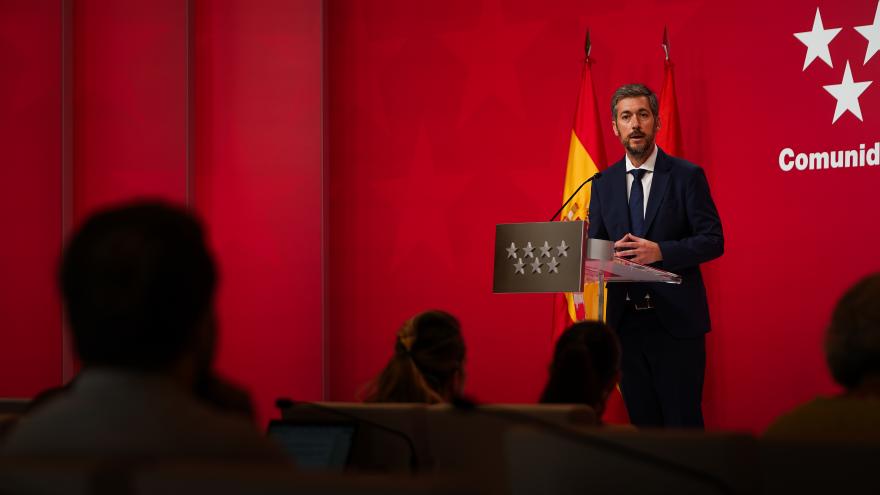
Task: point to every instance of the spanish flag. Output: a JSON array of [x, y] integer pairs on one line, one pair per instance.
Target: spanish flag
[[669, 135], [585, 154]]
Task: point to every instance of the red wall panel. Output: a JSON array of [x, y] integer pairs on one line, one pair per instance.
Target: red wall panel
[[257, 129], [130, 101], [129, 114], [30, 195], [418, 180], [259, 187]]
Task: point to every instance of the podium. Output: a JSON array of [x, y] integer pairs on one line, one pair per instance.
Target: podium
[[541, 257]]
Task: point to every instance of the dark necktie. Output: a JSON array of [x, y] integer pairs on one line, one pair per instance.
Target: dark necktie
[[637, 203]]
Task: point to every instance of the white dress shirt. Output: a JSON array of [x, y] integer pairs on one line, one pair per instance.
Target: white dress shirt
[[646, 178]]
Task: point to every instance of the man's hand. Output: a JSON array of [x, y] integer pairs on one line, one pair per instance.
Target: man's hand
[[637, 249]]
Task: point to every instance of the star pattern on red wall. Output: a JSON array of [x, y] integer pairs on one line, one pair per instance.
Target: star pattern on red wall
[[491, 50], [422, 199]]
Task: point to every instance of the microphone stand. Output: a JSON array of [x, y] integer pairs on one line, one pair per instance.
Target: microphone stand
[[567, 201]]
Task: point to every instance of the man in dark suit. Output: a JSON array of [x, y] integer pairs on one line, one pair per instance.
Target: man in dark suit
[[659, 211]]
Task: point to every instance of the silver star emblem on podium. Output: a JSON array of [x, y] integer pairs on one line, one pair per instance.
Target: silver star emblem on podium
[[528, 250], [536, 266], [562, 249], [518, 267], [552, 266], [545, 249], [511, 251]]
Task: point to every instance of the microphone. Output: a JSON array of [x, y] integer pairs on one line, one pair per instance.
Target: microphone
[[595, 176], [284, 403], [470, 407]]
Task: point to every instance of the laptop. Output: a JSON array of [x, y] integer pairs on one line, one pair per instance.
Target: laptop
[[315, 445]]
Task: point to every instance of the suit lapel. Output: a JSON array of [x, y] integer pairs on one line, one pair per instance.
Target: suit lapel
[[659, 185], [617, 178]]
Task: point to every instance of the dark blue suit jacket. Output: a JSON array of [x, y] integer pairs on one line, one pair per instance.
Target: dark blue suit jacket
[[681, 217]]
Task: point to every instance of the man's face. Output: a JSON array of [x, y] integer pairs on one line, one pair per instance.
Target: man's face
[[636, 126]]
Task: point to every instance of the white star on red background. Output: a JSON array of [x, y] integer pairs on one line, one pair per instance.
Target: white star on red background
[[847, 94], [491, 50], [817, 41], [871, 33], [422, 200]]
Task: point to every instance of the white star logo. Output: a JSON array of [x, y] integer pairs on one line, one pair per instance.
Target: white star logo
[[511, 251], [817, 41], [553, 266], [545, 249], [562, 249], [518, 267], [847, 94], [536, 266], [871, 33], [528, 251]]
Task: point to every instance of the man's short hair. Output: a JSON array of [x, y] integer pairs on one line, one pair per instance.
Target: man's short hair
[[137, 281], [852, 342], [634, 91]]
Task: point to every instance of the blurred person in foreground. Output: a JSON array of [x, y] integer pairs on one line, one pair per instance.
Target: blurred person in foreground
[[852, 350], [427, 365], [138, 283], [585, 367]]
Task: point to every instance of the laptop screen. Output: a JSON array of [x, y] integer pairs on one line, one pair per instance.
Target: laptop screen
[[314, 445]]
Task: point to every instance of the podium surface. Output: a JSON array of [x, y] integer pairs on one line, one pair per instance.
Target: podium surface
[[542, 257]]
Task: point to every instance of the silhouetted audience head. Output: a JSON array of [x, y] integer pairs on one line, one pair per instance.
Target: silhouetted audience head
[[585, 367], [852, 342], [852, 348], [138, 283], [427, 365]]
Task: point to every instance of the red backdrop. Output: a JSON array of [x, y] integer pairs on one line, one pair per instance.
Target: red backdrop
[[259, 187], [215, 104], [30, 195], [436, 124]]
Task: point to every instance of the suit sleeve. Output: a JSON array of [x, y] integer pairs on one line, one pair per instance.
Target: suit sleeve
[[597, 223], [706, 239]]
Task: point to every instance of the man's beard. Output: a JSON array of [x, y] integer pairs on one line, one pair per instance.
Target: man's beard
[[640, 151]]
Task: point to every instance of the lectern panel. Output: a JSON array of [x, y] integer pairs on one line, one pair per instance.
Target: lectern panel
[[539, 257]]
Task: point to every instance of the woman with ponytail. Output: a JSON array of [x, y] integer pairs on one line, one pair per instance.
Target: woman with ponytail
[[585, 367], [427, 365]]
